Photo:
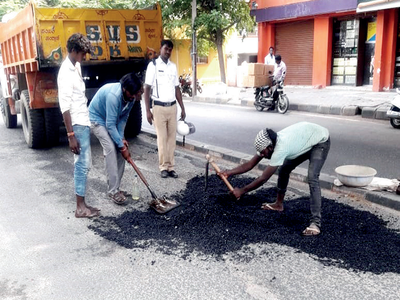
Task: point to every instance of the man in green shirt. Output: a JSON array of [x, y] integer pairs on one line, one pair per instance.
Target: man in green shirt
[[287, 149]]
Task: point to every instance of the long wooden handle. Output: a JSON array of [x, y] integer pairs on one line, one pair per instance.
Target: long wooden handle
[[217, 169], [130, 161]]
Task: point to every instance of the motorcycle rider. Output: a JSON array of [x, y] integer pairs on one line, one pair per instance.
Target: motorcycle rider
[[280, 69], [278, 77]]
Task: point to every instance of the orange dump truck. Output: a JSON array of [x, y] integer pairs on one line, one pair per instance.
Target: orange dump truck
[[33, 46]]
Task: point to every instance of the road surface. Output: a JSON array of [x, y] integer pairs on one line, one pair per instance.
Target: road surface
[[354, 140]]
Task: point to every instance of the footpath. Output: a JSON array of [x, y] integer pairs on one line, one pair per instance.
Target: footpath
[[341, 100], [334, 100]]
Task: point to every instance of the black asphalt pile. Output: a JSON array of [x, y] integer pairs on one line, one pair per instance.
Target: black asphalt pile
[[213, 223]]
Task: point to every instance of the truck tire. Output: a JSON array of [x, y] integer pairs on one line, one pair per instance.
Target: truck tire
[[134, 123], [52, 118], [32, 123], [9, 120]]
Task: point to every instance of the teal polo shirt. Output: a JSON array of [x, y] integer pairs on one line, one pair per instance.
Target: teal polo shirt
[[295, 140]]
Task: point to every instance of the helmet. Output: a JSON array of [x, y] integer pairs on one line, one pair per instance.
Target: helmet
[[184, 128]]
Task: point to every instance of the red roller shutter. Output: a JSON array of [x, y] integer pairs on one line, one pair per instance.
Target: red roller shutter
[[294, 42]]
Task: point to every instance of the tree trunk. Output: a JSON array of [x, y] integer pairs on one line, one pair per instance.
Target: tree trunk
[[221, 56]]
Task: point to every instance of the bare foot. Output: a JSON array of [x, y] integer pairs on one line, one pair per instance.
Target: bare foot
[[88, 212], [272, 206], [93, 208]]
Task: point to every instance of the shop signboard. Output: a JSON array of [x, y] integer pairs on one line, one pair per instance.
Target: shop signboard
[[371, 32]]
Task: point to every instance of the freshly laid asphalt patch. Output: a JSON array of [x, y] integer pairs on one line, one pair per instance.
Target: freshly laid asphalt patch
[[214, 224]]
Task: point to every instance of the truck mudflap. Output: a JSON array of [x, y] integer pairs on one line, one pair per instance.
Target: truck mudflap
[[42, 89]]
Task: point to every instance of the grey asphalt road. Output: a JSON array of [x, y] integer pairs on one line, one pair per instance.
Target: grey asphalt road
[[46, 253], [354, 140]]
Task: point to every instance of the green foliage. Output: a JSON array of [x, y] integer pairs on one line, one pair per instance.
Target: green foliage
[[216, 19], [212, 16], [11, 6], [203, 48], [7, 6]]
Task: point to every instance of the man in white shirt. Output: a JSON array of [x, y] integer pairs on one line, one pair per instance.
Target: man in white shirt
[[270, 58], [73, 105], [163, 82], [279, 75], [280, 69]]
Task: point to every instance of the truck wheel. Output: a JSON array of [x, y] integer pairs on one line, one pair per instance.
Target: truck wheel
[[52, 117], [32, 123], [395, 123], [134, 123], [9, 120]]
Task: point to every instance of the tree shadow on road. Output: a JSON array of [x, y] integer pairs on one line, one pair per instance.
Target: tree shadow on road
[[214, 224]]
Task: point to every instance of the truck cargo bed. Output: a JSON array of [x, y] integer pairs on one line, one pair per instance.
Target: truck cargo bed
[[36, 38]]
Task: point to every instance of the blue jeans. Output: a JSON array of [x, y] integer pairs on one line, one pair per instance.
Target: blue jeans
[[83, 160], [317, 156]]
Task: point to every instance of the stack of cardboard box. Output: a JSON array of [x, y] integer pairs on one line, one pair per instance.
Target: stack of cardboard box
[[258, 75]]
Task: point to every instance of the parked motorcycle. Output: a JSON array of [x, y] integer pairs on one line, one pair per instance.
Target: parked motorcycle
[[264, 98], [185, 84], [199, 86], [394, 112]]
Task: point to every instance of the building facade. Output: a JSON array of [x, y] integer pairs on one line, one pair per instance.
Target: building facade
[[325, 42]]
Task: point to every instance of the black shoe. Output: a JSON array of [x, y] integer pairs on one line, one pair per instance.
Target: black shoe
[[164, 174], [172, 174]]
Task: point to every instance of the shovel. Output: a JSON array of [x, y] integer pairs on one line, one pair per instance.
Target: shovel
[[217, 169], [160, 205]]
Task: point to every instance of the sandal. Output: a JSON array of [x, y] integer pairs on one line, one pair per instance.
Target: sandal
[[268, 206], [118, 198], [125, 193], [312, 230]]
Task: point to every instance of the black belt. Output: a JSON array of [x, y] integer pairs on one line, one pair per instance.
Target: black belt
[[164, 103]]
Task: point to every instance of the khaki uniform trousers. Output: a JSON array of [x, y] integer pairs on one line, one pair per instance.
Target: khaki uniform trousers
[[165, 125]]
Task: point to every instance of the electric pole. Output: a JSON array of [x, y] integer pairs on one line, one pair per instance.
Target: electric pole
[[194, 50]]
